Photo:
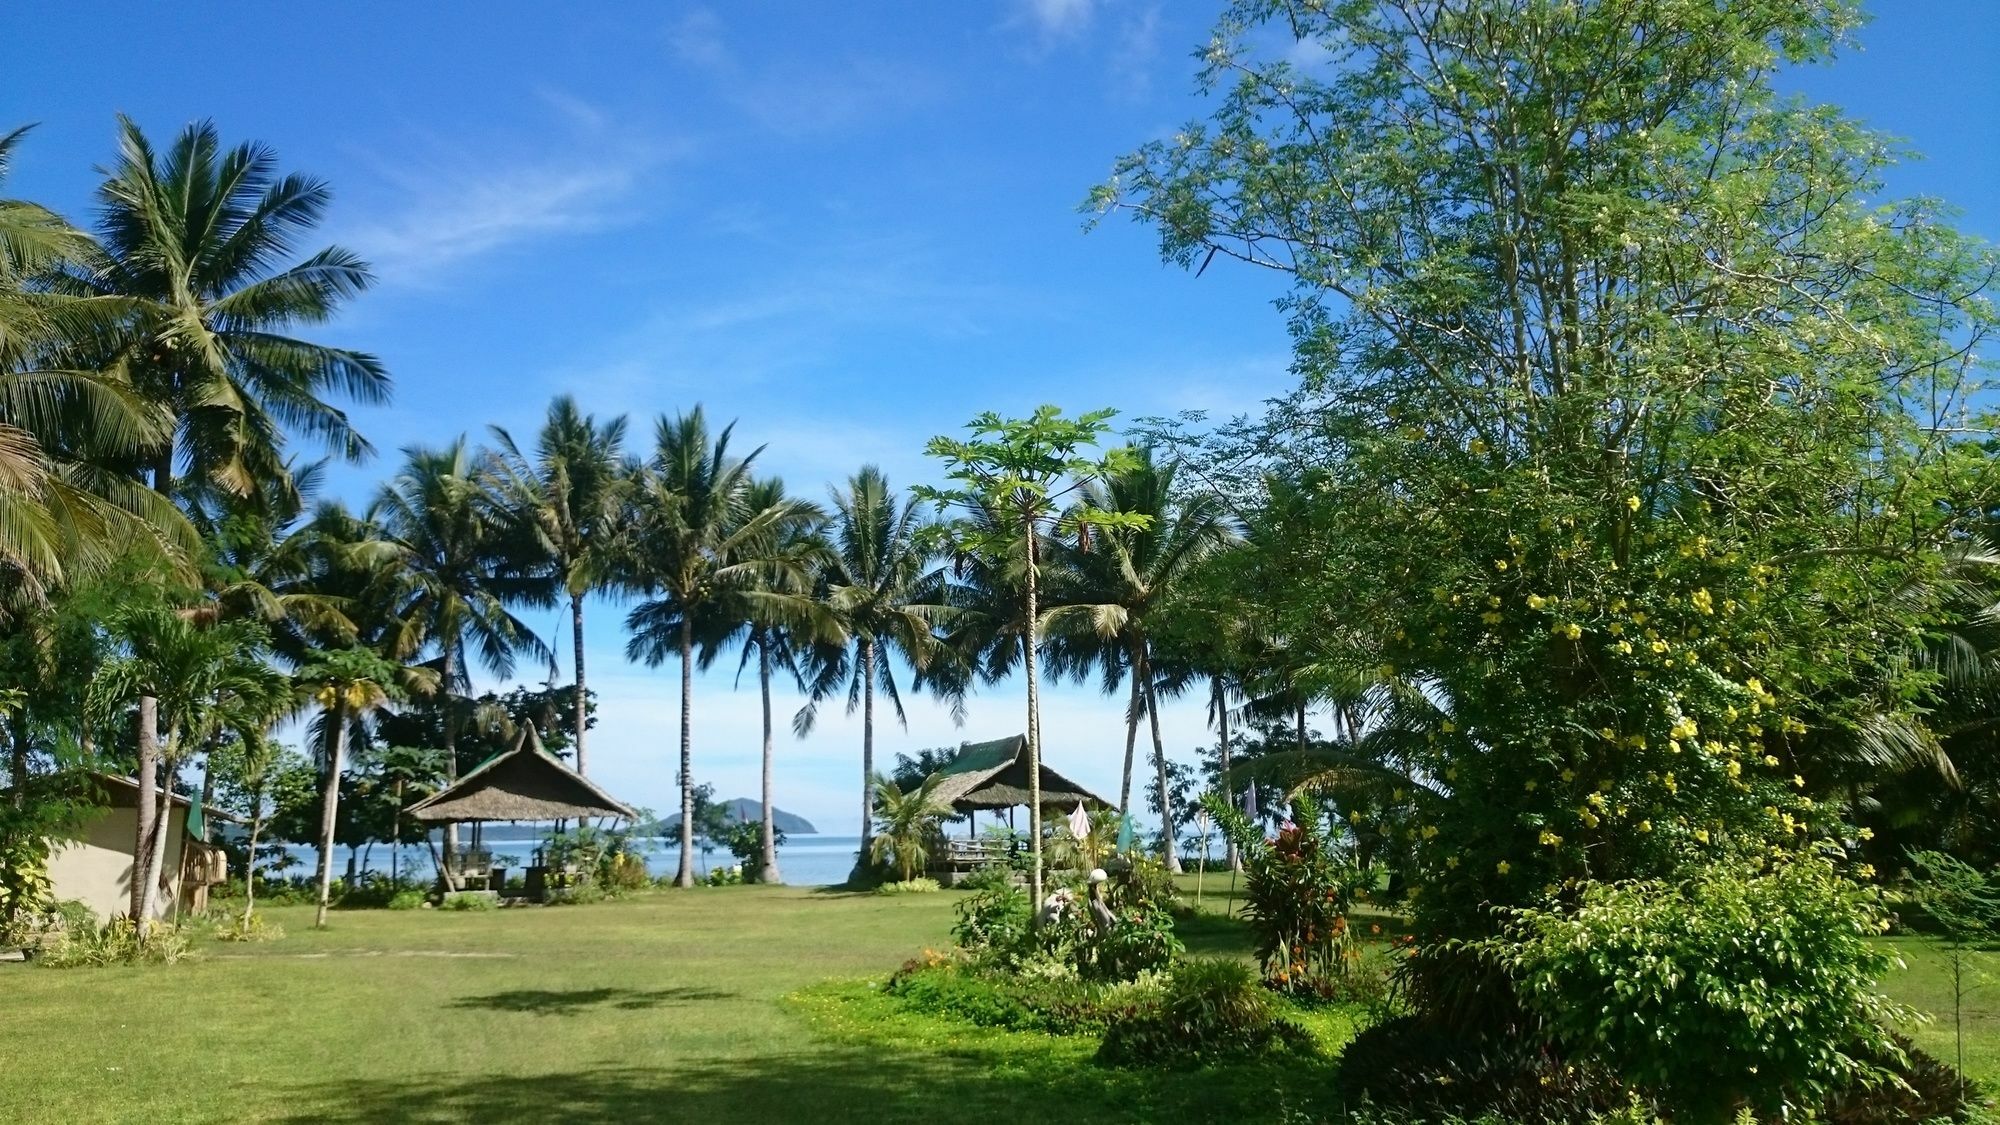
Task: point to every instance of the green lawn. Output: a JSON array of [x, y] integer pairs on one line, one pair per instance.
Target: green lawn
[[713, 1005]]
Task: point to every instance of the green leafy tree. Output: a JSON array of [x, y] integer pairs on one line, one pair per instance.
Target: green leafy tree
[[905, 824], [569, 497], [1124, 575], [1028, 473], [206, 680], [345, 684], [696, 541], [776, 617], [199, 242], [881, 586]]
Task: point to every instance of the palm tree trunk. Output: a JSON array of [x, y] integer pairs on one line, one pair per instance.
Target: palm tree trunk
[[148, 778], [1222, 734], [685, 878], [1034, 729], [250, 860], [207, 790], [767, 870], [396, 839], [156, 844], [450, 716], [329, 809], [1167, 842], [867, 741], [576, 642], [1131, 743], [149, 751]]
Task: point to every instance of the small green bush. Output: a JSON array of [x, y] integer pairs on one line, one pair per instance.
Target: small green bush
[[1731, 988], [993, 876], [1058, 1005], [917, 886], [1211, 1009], [407, 900], [993, 923], [724, 876], [468, 900], [582, 894], [626, 871], [116, 943]]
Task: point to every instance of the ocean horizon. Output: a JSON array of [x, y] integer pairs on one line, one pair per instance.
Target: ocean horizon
[[803, 860]]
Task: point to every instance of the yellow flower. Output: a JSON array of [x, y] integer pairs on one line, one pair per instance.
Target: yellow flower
[[1448, 726], [1866, 871], [1569, 775], [1623, 646], [1734, 768], [1499, 564], [1596, 800], [1645, 826], [1551, 839], [1430, 831], [1866, 833], [1531, 785], [1570, 630], [1536, 601], [1703, 601], [1701, 834], [1798, 781], [1503, 867], [1387, 670], [1451, 861], [1771, 760], [1631, 503], [1490, 617], [1609, 734], [1660, 646], [1639, 617], [1616, 628]]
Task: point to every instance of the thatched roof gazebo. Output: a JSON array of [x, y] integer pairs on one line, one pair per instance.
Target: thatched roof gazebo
[[994, 775], [525, 783]]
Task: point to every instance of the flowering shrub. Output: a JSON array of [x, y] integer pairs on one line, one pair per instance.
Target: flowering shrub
[[1731, 988], [996, 927], [1297, 890]]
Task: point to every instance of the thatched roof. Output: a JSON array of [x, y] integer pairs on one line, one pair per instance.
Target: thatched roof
[[525, 783], [994, 775]]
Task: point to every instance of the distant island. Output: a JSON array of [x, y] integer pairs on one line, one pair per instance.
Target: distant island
[[742, 810]]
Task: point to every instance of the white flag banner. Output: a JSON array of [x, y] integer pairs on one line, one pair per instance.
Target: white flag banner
[[1079, 822]]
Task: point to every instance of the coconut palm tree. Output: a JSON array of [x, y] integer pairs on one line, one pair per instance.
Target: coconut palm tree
[[456, 575], [569, 497], [904, 823], [346, 684], [881, 583], [199, 241], [775, 620], [205, 680], [695, 540], [1123, 576], [65, 426]]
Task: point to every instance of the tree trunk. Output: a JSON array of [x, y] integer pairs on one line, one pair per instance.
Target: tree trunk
[[767, 869], [396, 840], [1131, 743], [1302, 726], [1222, 731], [156, 844], [17, 770], [861, 862], [582, 711], [250, 859], [1168, 844], [450, 716], [685, 878], [148, 778], [149, 750], [1034, 730], [207, 791], [329, 809]]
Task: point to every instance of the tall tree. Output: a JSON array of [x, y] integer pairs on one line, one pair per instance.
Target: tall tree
[[346, 684], [695, 541], [1028, 471], [569, 496], [205, 679], [881, 584], [1125, 575], [457, 573], [776, 617], [200, 241]]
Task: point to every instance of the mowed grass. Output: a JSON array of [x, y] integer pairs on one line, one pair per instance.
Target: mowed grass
[[712, 1005]]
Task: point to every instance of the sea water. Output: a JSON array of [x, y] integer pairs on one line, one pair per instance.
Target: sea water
[[802, 860]]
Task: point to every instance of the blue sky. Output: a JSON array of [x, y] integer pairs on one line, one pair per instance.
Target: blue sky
[[850, 226]]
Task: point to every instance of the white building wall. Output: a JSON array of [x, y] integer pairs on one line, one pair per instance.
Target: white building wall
[[97, 870]]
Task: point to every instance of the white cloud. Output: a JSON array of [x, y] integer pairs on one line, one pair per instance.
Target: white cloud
[[1058, 19], [797, 98], [1131, 65], [439, 206]]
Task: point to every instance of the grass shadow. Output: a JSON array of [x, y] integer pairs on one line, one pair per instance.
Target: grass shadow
[[575, 1001]]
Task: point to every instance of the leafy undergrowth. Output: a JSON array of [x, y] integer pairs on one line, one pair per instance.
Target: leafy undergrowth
[[1063, 1067]]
